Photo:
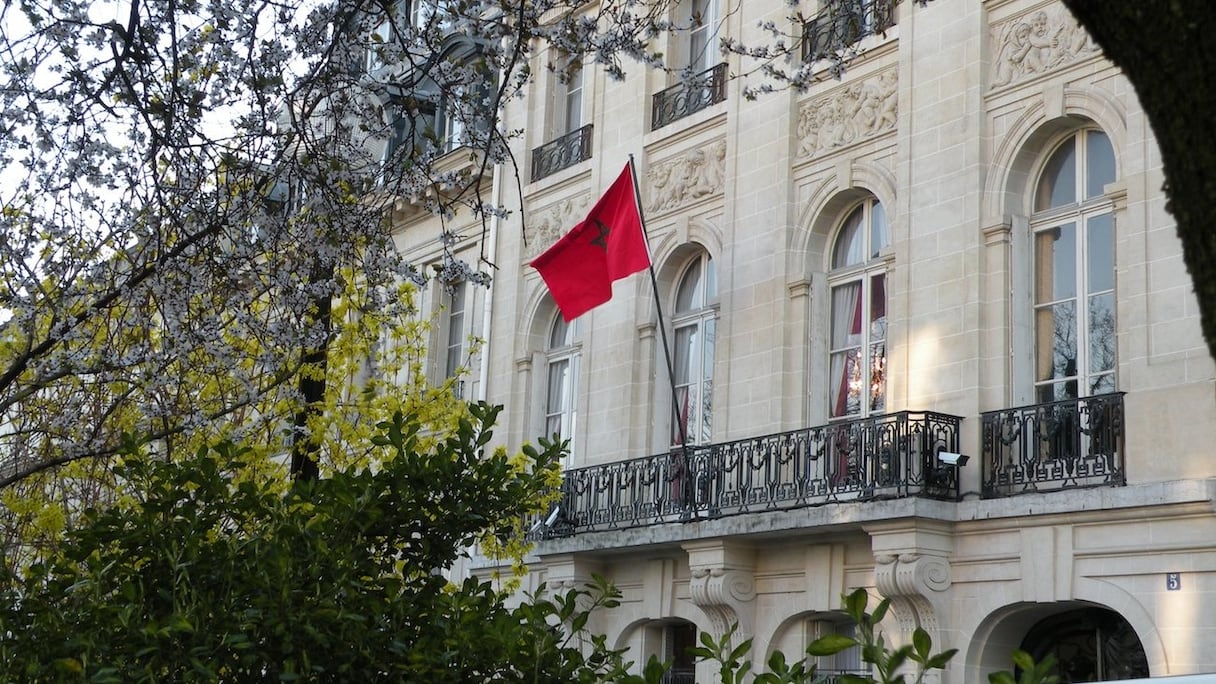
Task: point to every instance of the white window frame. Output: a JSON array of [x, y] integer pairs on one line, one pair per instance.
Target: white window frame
[[561, 416], [568, 105], [1082, 215], [868, 370], [701, 45], [455, 332], [698, 323]]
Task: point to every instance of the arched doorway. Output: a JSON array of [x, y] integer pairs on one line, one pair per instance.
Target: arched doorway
[[1089, 645]]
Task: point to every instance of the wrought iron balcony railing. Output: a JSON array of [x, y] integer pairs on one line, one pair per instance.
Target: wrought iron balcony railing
[[842, 24], [705, 89], [1070, 444], [561, 153], [882, 457]]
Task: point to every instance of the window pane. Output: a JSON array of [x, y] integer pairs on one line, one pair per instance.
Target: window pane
[[849, 248], [879, 237], [1101, 257], [707, 350], [1055, 253], [1056, 341], [1102, 332], [702, 49], [559, 385], [574, 100], [711, 281], [706, 415], [1103, 384], [1100, 163], [455, 330], [846, 383], [562, 334], [878, 307], [878, 377], [687, 297], [686, 341], [846, 315], [679, 431], [1058, 184]]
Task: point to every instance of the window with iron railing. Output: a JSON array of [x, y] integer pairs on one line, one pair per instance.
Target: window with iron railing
[[562, 153], [1058, 445], [843, 23], [689, 97]]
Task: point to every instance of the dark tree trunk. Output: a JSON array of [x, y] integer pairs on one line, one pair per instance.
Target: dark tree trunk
[[305, 444], [1167, 51]]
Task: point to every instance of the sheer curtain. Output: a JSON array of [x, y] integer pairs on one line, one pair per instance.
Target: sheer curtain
[[846, 331]]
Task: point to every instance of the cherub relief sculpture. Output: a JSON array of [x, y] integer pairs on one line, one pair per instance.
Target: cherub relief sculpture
[[1036, 43], [686, 178], [855, 113]]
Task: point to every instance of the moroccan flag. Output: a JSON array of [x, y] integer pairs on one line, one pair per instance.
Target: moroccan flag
[[605, 247]]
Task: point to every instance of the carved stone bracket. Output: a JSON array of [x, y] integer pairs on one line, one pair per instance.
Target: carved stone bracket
[[723, 585], [914, 584]]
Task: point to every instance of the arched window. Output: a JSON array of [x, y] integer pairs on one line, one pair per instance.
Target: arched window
[[693, 323], [562, 366], [858, 344], [1074, 270], [1089, 645]]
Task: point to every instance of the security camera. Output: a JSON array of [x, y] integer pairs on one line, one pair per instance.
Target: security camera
[[951, 458], [557, 510]]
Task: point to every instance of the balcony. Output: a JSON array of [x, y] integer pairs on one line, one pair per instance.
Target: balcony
[[842, 24], [1070, 444], [561, 153], [882, 457], [683, 99]]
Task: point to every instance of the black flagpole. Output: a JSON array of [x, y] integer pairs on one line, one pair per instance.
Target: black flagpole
[[684, 482]]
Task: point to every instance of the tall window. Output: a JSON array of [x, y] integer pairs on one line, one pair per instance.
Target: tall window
[[562, 362], [693, 322], [569, 105], [701, 16], [858, 282], [1074, 271], [454, 335]]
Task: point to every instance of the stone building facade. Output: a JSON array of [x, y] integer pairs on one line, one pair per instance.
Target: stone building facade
[[959, 246]]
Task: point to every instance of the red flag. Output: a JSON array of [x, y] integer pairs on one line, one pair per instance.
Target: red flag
[[605, 247]]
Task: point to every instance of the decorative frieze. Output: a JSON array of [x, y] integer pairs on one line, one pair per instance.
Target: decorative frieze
[[546, 225], [686, 178], [849, 115], [1036, 43]]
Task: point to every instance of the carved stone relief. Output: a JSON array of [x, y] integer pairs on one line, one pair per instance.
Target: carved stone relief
[[686, 178], [1036, 43], [848, 115], [549, 223]]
